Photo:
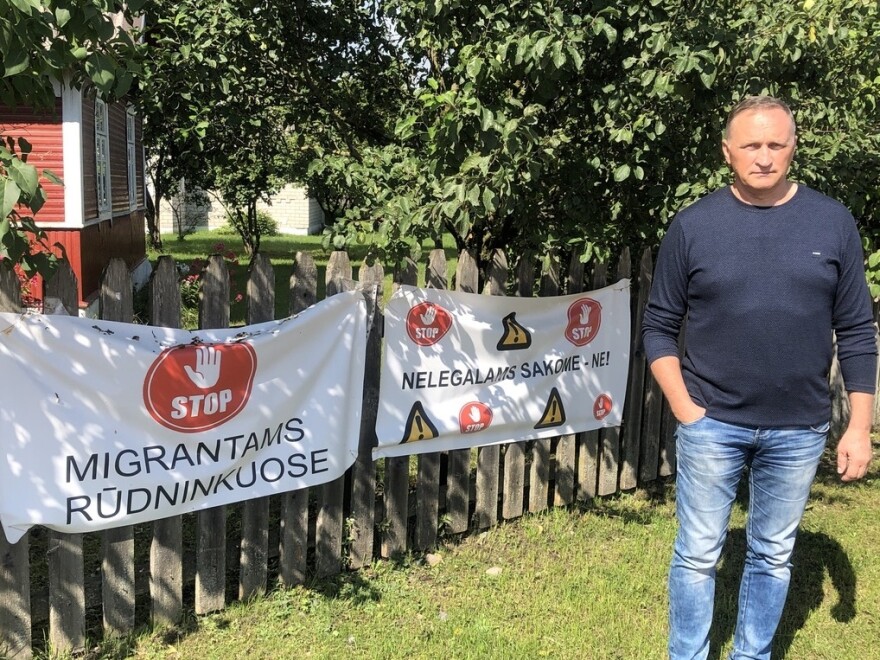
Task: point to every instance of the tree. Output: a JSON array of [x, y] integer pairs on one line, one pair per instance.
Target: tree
[[557, 125], [46, 42], [243, 96]]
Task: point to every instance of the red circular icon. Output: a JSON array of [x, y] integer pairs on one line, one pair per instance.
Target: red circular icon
[[474, 417], [427, 323], [584, 319], [602, 407], [196, 387]]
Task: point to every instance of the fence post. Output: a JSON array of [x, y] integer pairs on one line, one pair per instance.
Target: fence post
[[328, 532], [539, 475], [363, 472], [397, 468], [166, 548], [117, 567], [609, 466], [294, 541], [513, 490], [489, 458], [67, 598], [635, 389], [566, 446], [588, 454], [428, 480], [211, 523], [653, 408], [458, 471], [254, 553], [15, 588]]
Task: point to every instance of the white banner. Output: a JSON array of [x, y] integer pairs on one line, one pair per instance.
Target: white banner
[[463, 370], [105, 424]]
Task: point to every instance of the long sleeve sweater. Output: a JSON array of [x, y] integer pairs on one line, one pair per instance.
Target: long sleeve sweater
[[762, 289]]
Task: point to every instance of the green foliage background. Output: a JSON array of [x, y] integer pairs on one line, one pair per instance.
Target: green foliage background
[[548, 125]]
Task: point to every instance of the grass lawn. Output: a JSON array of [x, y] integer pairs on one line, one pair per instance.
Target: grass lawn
[[584, 582], [281, 250]]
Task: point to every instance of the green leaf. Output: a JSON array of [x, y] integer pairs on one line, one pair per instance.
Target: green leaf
[[474, 67], [62, 16], [621, 173], [682, 190], [52, 177], [10, 193], [102, 71], [25, 176], [15, 61]]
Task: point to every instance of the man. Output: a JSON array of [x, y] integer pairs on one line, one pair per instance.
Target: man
[[764, 269]]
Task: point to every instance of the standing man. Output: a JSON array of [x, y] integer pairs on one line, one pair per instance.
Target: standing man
[[764, 269]]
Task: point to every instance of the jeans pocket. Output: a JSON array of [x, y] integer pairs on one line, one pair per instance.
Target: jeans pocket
[[692, 424]]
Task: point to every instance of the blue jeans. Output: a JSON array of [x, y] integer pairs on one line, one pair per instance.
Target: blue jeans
[[711, 457]]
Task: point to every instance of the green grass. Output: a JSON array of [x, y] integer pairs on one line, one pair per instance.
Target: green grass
[[281, 250], [583, 582]]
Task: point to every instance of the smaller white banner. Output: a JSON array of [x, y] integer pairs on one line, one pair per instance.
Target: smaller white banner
[[464, 370], [105, 424]]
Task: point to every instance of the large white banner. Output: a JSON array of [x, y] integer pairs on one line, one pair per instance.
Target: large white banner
[[462, 370], [104, 424]]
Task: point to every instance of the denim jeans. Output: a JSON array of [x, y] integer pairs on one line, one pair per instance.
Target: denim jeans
[[711, 458]]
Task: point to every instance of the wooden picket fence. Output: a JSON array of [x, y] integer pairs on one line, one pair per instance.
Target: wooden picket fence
[[199, 562]]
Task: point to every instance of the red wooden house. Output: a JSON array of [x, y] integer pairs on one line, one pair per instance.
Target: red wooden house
[[95, 148]]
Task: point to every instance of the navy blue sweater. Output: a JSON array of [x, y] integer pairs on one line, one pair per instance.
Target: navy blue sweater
[[762, 289]]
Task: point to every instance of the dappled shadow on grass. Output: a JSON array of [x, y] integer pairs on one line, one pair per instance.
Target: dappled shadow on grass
[[354, 587], [641, 506], [814, 554]]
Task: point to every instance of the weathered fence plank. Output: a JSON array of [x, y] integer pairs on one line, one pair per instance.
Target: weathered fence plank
[[652, 410], [15, 591], [166, 548], [539, 474], [591, 441], [566, 446], [396, 498], [294, 536], [211, 523], [489, 458], [67, 598], [61, 288], [458, 462], [329, 526], [609, 464], [428, 478], [117, 567], [635, 388], [254, 554], [363, 472], [513, 490]]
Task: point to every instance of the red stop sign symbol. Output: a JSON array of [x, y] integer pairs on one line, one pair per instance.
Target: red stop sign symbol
[[427, 323], [197, 387], [602, 406]]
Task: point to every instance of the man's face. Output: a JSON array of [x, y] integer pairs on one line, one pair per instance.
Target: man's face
[[759, 148]]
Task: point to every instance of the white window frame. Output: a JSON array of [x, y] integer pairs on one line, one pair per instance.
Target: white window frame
[[131, 158], [102, 160]]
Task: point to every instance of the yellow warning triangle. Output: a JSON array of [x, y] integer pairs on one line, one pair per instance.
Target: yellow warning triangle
[[554, 412], [418, 425], [515, 336]]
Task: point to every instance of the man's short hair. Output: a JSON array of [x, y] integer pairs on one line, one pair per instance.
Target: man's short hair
[[760, 102]]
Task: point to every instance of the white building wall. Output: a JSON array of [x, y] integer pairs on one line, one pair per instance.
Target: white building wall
[[293, 210]]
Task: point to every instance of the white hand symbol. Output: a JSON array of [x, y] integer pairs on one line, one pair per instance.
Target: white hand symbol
[[585, 314], [474, 414], [207, 371], [428, 316]]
